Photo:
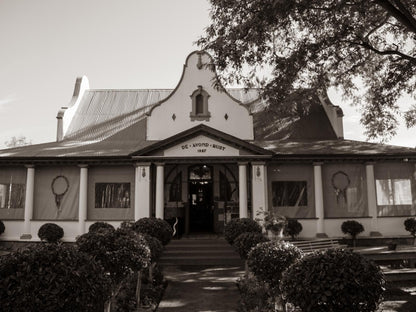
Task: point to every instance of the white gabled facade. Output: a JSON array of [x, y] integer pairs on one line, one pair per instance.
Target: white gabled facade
[[174, 114]]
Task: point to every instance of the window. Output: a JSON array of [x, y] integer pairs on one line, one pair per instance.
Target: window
[[200, 105], [394, 197], [200, 173], [289, 194], [112, 195], [225, 188], [175, 191], [12, 196]]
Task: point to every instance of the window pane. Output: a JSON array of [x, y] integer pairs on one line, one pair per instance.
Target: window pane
[[394, 192], [289, 193], [199, 104], [12, 196], [112, 195], [175, 191]]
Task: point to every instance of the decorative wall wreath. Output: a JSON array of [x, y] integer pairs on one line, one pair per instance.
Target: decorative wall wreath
[[340, 182], [59, 187]]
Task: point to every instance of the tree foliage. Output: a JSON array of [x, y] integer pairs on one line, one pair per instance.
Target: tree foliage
[[334, 280], [52, 277], [120, 252], [50, 232], [349, 44], [18, 141]]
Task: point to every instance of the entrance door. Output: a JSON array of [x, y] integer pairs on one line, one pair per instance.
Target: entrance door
[[201, 201]]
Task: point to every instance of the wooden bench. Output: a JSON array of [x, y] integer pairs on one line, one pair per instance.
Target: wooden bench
[[317, 245]]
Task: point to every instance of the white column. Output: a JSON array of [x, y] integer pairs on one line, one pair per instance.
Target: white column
[[30, 190], [83, 198], [259, 188], [242, 188], [142, 191], [319, 200], [372, 199], [160, 191]]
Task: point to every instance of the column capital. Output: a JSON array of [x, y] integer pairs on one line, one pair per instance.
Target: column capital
[[258, 163], [370, 163], [242, 163], [159, 164], [142, 164], [318, 163], [82, 166], [28, 166]]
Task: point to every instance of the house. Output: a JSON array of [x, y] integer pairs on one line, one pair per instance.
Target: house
[[202, 155]]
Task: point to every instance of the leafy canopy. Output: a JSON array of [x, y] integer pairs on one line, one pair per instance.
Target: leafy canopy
[[353, 45]]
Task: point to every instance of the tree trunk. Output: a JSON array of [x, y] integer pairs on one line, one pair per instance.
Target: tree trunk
[[138, 287]]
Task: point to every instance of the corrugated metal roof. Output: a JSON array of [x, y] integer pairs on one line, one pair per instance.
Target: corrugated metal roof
[[112, 123], [102, 113], [333, 147]]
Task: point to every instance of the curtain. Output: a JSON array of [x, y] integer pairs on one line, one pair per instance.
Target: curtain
[[12, 192], [291, 189], [395, 189], [345, 190], [56, 193]]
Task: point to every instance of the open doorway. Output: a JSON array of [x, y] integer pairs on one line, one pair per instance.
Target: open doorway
[[200, 199]]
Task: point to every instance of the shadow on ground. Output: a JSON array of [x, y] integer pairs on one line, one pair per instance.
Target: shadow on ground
[[196, 288]]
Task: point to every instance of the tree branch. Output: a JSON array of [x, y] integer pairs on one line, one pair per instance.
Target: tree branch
[[408, 21], [368, 46]]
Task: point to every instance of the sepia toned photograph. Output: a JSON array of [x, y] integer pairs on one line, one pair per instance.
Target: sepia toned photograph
[[208, 155]]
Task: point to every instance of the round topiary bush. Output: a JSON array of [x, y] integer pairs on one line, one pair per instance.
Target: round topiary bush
[[50, 232], [120, 252], [292, 228], [52, 277], [353, 228], [154, 227], [99, 226], [409, 225], [155, 246], [2, 227], [246, 241], [269, 260], [335, 280], [239, 226]]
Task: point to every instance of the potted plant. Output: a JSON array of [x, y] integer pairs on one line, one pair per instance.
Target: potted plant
[[273, 223]]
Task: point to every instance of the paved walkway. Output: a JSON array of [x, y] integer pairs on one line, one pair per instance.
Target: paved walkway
[[201, 289]]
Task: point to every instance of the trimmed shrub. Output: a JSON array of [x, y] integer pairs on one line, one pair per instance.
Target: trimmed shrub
[[120, 252], [334, 280], [353, 228], [409, 225], [292, 228], [99, 226], [155, 246], [52, 277], [50, 232], [239, 226], [2, 227], [254, 295], [154, 227], [246, 241], [268, 260]]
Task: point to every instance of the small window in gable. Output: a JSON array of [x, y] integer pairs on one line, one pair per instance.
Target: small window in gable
[[200, 105]]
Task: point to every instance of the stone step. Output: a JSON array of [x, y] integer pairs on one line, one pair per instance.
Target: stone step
[[204, 251]]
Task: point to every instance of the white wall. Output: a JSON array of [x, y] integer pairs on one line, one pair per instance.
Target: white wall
[[161, 125]]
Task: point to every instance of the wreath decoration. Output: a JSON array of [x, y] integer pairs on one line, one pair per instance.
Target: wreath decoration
[[340, 182], [59, 187]]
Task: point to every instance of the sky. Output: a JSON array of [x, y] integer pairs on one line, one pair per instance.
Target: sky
[[117, 44]]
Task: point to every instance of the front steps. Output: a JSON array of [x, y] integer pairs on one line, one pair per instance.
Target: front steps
[[209, 250]]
